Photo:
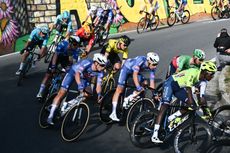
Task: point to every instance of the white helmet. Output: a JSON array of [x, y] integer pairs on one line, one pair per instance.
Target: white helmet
[[153, 58], [93, 8], [100, 58]]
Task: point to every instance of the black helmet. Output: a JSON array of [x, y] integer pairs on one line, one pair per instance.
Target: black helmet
[[125, 39], [74, 39]]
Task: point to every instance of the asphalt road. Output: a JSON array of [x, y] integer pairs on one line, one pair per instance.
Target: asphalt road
[[20, 131]]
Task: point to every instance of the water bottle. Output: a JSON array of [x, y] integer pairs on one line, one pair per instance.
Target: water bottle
[[127, 100], [174, 115], [64, 106]]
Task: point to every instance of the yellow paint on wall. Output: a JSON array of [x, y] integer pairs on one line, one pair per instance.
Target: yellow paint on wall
[[79, 5]]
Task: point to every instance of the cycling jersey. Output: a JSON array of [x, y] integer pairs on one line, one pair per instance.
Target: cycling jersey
[[181, 62], [112, 48], [138, 64], [60, 24], [84, 67], [81, 34], [187, 78], [37, 39]]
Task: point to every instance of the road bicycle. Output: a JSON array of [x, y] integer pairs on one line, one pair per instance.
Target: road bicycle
[[101, 35], [217, 13], [174, 17], [52, 47], [29, 61], [148, 21], [74, 115], [143, 127]]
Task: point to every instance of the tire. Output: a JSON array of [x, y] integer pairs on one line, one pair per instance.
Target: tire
[[171, 20], [154, 25], [141, 105], [25, 69], [75, 122], [221, 122], [186, 17], [50, 53], [102, 38], [142, 129], [106, 106], [44, 112], [141, 25], [109, 85], [199, 131], [215, 13]]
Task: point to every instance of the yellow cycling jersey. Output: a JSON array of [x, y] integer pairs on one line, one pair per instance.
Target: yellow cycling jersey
[[112, 47]]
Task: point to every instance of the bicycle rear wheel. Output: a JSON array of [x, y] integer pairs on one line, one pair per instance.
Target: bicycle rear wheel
[[171, 20], [194, 137], [75, 122], [106, 106], [215, 13], [144, 104], [185, 17], [50, 52], [154, 25], [44, 112], [142, 129], [141, 26]]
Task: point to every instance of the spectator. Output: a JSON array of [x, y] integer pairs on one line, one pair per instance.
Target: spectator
[[222, 45]]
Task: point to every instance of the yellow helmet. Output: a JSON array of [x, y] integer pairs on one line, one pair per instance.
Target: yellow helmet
[[87, 28], [208, 66]]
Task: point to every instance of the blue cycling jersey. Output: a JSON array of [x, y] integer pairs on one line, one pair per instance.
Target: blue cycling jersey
[[68, 24], [62, 48], [84, 67], [35, 37]]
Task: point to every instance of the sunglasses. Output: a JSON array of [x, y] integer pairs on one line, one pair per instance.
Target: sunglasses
[[201, 60], [102, 65], [211, 73], [44, 34]]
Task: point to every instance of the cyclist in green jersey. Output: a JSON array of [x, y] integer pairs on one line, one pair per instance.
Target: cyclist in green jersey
[[183, 62], [180, 85]]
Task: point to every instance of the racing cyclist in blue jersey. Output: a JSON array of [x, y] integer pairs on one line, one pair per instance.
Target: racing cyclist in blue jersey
[[64, 53], [39, 36], [63, 21], [82, 72], [134, 66]]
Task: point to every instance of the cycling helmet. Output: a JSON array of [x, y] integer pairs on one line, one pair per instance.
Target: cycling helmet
[[44, 29], [153, 58], [74, 39], [208, 66], [100, 58], [198, 53], [93, 8], [65, 15], [87, 28], [125, 39]]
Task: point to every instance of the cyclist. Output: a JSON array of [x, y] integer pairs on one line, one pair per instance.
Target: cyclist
[[82, 72], [92, 13], [87, 37], [153, 8], [180, 85], [183, 62], [134, 66], [63, 21], [62, 54], [39, 36], [113, 48], [181, 5]]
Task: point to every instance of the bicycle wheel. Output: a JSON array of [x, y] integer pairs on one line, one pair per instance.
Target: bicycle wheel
[[215, 13], [144, 104], [102, 36], [50, 52], [171, 20], [141, 26], [185, 17], [44, 112], [75, 122], [25, 69], [154, 25], [221, 122], [194, 137], [108, 85], [106, 106], [142, 129]]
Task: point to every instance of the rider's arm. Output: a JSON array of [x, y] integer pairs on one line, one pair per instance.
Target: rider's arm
[[90, 45], [136, 81], [78, 81], [152, 82], [189, 95], [69, 29], [99, 82]]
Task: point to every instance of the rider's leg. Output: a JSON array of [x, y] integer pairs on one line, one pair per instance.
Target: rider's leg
[[43, 85], [23, 58]]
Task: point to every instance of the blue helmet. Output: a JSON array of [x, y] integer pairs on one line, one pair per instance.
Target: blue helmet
[[44, 29], [66, 15]]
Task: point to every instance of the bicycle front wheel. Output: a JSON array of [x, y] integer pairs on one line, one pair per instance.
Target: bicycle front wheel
[[194, 137], [50, 53], [108, 85], [142, 129], [141, 105], [141, 26], [75, 122], [171, 20], [215, 13], [185, 17], [155, 22]]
